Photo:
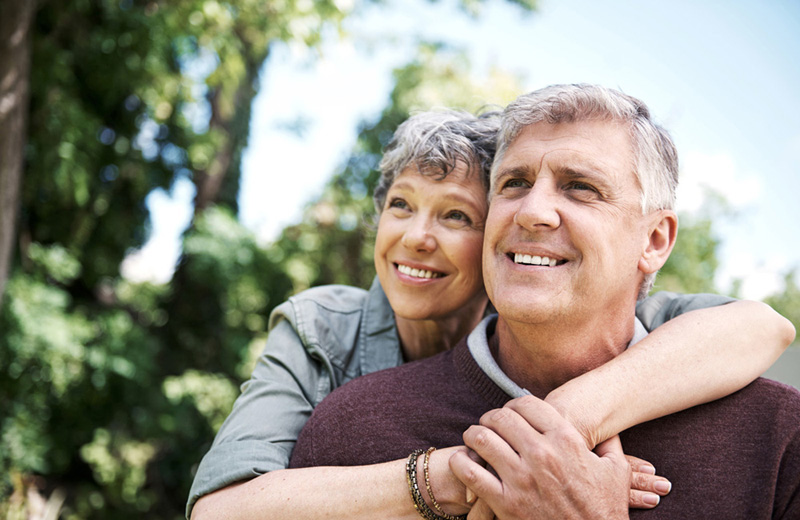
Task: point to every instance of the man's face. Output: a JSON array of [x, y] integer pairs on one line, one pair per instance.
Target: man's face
[[567, 194]]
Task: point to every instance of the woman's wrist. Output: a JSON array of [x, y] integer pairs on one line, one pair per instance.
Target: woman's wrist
[[577, 409], [447, 494]]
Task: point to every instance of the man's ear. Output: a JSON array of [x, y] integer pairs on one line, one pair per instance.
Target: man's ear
[[660, 241]]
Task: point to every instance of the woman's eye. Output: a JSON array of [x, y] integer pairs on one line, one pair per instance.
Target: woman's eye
[[397, 203], [459, 216]]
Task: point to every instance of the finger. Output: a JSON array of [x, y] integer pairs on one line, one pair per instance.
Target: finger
[[643, 499], [652, 483], [475, 457], [511, 427], [640, 465], [539, 414], [491, 448], [474, 476], [480, 511]]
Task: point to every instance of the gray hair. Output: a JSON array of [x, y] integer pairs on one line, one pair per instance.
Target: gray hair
[[434, 141], [654, 154]]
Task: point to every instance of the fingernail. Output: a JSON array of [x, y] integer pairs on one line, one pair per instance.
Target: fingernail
[[646, 468], [471, 497], [663, 486], [651, 499]]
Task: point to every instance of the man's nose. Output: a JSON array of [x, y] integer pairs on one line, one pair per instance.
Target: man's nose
[[419, 236], [539, 208]]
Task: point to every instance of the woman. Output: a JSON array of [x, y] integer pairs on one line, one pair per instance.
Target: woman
[[432, 204]]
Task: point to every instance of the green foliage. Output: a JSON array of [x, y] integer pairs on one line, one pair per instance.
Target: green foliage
[[787, 302], [111, 390], [693, 262]]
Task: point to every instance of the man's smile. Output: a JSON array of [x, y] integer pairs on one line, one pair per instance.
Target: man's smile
[[525, 259]]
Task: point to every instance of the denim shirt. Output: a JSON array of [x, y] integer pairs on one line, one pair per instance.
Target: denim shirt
[[319, 340]]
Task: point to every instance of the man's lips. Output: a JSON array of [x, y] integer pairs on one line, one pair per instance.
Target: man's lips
[[542, 260]]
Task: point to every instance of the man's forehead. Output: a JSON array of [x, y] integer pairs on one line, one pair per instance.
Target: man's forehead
[[595, 144]]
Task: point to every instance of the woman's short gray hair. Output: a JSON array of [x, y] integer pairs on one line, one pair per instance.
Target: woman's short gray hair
[[434, 142], [654, 154]]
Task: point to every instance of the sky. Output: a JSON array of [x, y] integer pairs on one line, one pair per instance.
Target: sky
[[722, 76]]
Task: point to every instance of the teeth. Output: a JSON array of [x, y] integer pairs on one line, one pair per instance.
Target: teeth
[[417, 273], [534, 260]]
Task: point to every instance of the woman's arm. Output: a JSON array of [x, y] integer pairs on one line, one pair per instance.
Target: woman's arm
[[322, 492], [675, 354], [692, 359], [357, 492]]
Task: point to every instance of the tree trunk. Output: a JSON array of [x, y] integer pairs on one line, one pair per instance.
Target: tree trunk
[[15, 56]]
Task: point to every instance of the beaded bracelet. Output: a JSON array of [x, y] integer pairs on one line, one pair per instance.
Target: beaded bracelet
[[442, 513], [420, 505]]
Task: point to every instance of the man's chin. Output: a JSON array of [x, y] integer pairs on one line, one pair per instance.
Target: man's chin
[[527, 310]]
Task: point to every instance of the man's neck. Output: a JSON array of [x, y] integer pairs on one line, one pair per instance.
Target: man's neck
[[541, 358]]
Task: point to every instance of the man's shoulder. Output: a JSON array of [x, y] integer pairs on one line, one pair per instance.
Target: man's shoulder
[[389, 412], [771, 394], [413, 377], [764, 409], [736, 457], [762, 404]]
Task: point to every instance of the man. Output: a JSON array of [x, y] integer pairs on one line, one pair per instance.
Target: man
[[580, 220]]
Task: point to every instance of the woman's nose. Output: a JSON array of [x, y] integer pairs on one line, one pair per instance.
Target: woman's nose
[[419, 236]]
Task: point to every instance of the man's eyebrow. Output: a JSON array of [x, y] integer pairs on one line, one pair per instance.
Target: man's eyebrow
[[511, 171], [587, 172]]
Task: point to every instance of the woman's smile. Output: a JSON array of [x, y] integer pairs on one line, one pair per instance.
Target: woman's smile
[[428, 247]]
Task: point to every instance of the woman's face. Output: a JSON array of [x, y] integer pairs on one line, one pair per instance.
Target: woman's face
[[428, 248]]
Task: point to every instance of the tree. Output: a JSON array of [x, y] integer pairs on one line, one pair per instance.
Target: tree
[[787, 301], [15, 50], [693, 263], [112, 390]]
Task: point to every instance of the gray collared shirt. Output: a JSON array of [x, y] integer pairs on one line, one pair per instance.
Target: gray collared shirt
[[478, 344]]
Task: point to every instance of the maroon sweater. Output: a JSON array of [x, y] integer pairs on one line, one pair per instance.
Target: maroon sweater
[[738, 457]]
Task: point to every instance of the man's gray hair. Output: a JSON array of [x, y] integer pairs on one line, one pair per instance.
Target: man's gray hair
[[434, 142], [655, 158]]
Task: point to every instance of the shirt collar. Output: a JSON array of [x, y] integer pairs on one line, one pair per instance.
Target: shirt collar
[[478, 344]]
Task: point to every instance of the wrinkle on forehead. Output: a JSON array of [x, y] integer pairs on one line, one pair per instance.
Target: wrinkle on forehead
[[584, 149]]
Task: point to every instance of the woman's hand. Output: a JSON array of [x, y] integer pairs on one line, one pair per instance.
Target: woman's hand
[[647, 488]]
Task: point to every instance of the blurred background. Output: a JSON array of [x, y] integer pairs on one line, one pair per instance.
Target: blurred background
[[171, 171]]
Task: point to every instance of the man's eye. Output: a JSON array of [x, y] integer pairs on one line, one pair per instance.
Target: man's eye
[[516, 183], [581, 186]]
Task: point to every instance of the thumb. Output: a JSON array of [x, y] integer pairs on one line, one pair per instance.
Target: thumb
[[611, 448]]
